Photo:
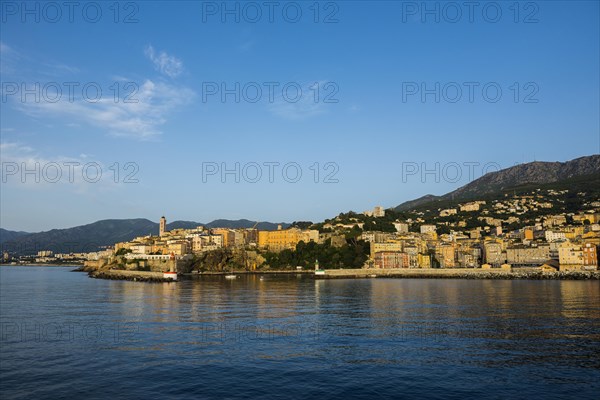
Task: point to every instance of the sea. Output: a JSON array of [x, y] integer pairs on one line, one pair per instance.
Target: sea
[[67, 336]]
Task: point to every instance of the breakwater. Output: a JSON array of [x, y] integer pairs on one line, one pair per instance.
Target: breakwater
[[457, 273], [141, 276], [364, 273]]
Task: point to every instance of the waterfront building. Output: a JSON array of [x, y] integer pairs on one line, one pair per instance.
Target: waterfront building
[[445, 253], [590, 255], [286, 239], [424, 260], [391, 259], [570, 254], [389, 246], [520, 255]]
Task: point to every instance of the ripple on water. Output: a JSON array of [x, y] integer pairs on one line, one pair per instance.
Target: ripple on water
[[65, 335]]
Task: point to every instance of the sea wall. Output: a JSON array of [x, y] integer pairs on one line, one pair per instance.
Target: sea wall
[[455, 273], [144, 276], [120, 263]]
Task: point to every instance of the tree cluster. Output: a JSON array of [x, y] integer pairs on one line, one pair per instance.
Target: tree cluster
[[353, 254]]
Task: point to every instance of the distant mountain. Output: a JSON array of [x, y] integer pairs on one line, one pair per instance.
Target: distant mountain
[[579, 174], [82, 238], [226, 223], [90, 237], [244, 223], [412, 204], [539, 173], [179, 225], [6, 235]]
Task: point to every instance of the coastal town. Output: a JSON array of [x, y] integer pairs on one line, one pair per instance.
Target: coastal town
[[517, 233]]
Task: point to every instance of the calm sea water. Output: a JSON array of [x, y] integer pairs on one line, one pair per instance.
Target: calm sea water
[[64, 335]]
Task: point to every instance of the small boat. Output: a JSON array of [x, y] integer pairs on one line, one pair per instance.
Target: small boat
[[372, 276], [230, 276], [170, 275]]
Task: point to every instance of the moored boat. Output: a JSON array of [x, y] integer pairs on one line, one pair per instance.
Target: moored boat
[[170, 275]]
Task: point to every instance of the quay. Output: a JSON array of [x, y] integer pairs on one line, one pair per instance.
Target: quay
[[141, 276], [455, 273]]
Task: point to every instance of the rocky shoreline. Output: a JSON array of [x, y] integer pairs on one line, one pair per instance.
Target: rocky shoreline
[[136, 276], [457, 273], [454, 273], [282, 272], [519, 276]]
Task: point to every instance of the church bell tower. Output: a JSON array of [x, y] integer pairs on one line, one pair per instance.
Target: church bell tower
[[163, 226]]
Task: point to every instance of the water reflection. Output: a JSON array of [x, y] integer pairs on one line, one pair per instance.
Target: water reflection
[[533, 334]]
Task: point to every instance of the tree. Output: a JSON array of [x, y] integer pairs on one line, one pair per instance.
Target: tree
[[302, 224], [122, 251], [353, 233], [351, 255]]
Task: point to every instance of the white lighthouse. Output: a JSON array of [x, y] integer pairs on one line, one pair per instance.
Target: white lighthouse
[[318, 271]]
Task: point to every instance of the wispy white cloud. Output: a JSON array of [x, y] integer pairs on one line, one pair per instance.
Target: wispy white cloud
[[16, 64], [78, 173], [138, 113], [164, 63], [139, 120], [315, 98], [59, 69], [4, 48], [119, 78], [8, 59], [13, 148]]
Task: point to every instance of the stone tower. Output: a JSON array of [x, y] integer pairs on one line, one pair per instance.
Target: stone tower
[[163, 226]]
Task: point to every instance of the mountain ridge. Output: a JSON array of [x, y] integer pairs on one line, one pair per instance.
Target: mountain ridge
[[536, 172], [90, 237], [107, 232]]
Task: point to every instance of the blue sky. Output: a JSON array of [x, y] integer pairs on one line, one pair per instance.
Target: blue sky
[[367, 130]]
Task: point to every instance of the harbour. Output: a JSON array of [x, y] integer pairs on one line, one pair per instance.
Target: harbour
[[205, 336]]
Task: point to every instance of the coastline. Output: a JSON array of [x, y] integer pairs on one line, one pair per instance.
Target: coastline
[[136, 276], [363, 273], [371, 273], [457, 273], [430, 273], [274, 272], [79, 264]]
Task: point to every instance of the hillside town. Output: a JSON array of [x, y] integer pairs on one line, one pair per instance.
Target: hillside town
[[520, 231]]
